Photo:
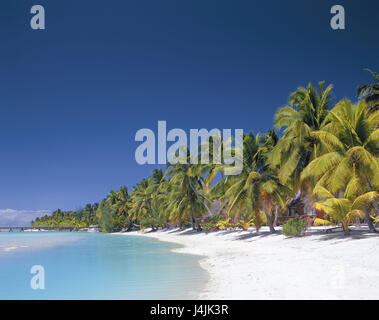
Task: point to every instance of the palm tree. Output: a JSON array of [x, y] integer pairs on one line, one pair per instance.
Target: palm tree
[[306, 112], [122, 205], [268, 142], [370, 92], [343, 210], [105, 214], [187, 189], [209, 172], [347, 165], [183, 204], [145, 201], [156, 191], [257, 187], [140, 199]]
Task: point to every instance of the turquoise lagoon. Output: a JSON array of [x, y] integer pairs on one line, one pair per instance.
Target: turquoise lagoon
[[96, 266]]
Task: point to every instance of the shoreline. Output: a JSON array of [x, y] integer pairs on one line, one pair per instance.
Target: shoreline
[[250, 265]]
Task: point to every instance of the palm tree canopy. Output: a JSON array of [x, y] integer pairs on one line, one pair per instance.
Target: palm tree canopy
[[305, 113], [370, 92]]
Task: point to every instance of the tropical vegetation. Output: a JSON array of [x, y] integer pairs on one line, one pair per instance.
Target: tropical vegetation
[[326, 154]]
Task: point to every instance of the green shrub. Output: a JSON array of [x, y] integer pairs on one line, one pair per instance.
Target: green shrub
[[294, 227], [212, 223], [208, 226]]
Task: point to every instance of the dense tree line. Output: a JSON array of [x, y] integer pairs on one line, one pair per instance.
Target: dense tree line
[[77, 219]]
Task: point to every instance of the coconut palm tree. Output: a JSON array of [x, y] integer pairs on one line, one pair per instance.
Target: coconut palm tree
[[370, 92], [122, 206], [157, 191], [140, 199], [344, 210], [187, 188], [257, 187], [183, 204], [347, 164], [268, 142], [209, 172], [146, 200], [305, 113]]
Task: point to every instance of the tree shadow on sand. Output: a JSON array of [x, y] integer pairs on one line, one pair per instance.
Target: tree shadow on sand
[[243, 235], [257, 235], [185, 232], [339, 235]]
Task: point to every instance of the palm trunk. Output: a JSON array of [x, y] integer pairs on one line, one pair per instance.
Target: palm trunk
[[198, 196], [269, 222], [376, 208], [193, 217], [258, 222], [369, 221], [195, 223], [276, 215], [357, 222], [375, 203], [345, 229]]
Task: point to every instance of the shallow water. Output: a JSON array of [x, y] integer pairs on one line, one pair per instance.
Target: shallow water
[[96, 266]]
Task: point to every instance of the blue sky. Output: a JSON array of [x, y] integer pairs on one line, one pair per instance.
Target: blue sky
[[73, 96]]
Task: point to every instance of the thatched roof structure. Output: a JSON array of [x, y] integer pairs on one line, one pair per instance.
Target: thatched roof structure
[[296, 207], [294, 203]]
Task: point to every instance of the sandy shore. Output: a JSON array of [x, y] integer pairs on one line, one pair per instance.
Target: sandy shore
[[250, 265]]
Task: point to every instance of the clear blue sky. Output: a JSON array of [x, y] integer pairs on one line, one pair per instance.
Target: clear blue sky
[[73, 96]]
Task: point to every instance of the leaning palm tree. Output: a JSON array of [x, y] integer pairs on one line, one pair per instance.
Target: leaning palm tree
[[370, 92], [305, 113]]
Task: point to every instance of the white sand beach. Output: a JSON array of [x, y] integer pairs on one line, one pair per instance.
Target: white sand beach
[[250, 265]]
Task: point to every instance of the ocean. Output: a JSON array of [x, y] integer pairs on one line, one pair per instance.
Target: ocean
[[95, 266]]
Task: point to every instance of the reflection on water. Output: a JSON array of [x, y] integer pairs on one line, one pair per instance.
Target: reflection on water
[[96, 266]]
